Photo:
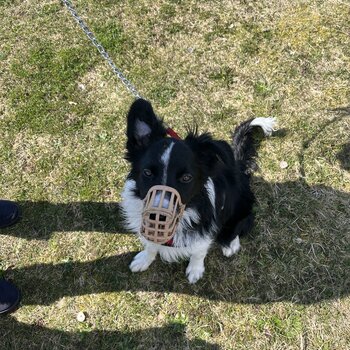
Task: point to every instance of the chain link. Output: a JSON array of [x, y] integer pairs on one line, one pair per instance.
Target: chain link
[[100, 49]]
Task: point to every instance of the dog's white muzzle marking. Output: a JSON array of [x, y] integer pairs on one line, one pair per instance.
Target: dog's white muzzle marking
[[161, 214]]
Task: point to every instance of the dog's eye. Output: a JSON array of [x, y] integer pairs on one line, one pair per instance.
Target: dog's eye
[[186, 178], [147, 172]]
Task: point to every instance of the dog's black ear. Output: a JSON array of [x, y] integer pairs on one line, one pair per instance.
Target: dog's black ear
[[210, 154], [143, 126]]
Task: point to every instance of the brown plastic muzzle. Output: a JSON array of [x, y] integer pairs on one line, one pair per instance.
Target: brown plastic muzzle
[[161, 214]]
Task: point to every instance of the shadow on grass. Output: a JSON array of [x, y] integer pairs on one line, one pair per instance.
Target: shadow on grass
[[344, 156], [302, 255], [40, 219], [23, 336], [341, 113]]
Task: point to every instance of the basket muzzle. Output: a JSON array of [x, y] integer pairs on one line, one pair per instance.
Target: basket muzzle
[[161, 214]]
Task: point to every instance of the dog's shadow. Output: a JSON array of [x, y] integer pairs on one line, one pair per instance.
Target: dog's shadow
[[298, 252]]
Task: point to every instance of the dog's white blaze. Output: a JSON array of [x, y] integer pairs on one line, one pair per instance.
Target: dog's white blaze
[[267, 124], [165, 158]]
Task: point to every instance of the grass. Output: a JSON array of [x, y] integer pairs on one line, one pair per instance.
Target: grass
[[62, 125]]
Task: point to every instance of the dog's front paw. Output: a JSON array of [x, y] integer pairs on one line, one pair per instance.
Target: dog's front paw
[[194, 272], [141, 261]]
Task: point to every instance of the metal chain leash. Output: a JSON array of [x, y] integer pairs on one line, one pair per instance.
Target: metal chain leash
[[101, 49]]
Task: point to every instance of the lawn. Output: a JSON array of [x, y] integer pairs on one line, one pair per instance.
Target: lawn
[[213, 63]]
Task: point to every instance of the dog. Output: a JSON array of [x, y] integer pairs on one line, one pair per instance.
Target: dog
[[211, 177]]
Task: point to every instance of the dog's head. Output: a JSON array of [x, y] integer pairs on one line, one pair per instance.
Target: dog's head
[[183, 165], [169, 174]]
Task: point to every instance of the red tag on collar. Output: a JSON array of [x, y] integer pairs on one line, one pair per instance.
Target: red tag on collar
[[173, 134], [170, 243]]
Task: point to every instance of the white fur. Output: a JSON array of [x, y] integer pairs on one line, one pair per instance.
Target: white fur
[[174, 254], [132, 207], [143, 260], [195, 268], [211, 191], [165, 158], [267, 124], [234, 247], [196, 252]]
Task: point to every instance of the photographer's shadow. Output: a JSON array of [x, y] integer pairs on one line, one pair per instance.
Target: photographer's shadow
[[25, 336], [298, 252], [40, 219]]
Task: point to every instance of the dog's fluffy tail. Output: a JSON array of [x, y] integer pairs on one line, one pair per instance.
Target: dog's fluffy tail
[[243, 143]]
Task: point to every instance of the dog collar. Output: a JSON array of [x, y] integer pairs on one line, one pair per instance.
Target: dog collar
[[170, 243]]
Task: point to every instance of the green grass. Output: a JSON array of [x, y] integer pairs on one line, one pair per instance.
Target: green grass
[[62, 136]]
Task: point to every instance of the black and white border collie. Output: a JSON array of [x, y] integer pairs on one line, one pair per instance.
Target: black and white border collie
[[212, 177]]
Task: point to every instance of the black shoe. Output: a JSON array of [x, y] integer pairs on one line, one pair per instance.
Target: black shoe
[[9, 296], [9, 213]]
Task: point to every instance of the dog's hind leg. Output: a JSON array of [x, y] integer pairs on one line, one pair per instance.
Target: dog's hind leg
[[144, 259], [229, 235], [233, 248]]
